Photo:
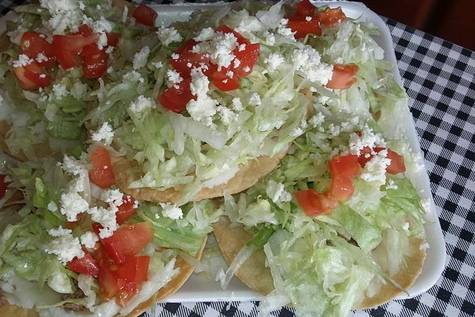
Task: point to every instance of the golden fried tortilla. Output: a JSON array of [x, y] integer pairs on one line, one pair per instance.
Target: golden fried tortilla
[[171, 287], [127, 171], [254, 273]]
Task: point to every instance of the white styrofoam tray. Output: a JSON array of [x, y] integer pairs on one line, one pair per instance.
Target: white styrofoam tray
[[198, 288]]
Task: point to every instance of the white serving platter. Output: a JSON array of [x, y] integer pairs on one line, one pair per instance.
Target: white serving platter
[[199, 288]]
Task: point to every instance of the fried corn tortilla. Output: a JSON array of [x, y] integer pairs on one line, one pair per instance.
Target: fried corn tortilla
[[127, 171], [254, 273], [171, 287]]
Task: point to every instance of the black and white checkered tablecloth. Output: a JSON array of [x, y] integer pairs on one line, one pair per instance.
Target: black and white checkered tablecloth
[[440, 80]]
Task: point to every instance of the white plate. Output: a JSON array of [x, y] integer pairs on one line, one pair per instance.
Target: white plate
[[198, 288]]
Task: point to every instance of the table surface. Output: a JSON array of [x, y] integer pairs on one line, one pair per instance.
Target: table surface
[[440, 80]]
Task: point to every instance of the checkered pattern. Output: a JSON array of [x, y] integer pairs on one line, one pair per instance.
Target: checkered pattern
[[440, 80]]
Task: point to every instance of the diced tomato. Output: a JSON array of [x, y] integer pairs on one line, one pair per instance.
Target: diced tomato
[[94, 61], [345, 165], [343, 170], [187, 60], [32, 76], [107, 282], [85, 30], [145, 15], [331, 16], [127, 240], [101, 172], [314, 203], [304, 9], [34, 43], [176, 98], [397, 163], [126, 210], [67, 48], [365, 155], [304, 27], [3, 186], [223, 82], [344, 76], [86, 265], [113, 38], [341, 188], [130, 277], [226, 29], [96, 227], [247, 58]]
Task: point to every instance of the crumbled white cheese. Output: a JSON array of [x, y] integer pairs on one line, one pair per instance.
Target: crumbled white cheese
[[236, 63], [175, 56], [72, 204], [230, 74], [219, 48], [59, 91], [368, 139], [64, 246], [113, 197], [205, 35], [41, 58], [106, 218], [168, 35], [270, 39], [141, 104], [171, 211], [274, 60], [174, 78], [140, 58], [64, 14], [105, 134], [237, 104], [102, 41], [307, 62], [133, 76], [277, 193], [89, 239], [72, 166], [59, 232], [317, 120], [334, 130], [242, 47], [227, 116], [204, 107], [285, 31], [157, 65], [308, 18], [102, 25], [255, 99], [22, 61], [375, 169]]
